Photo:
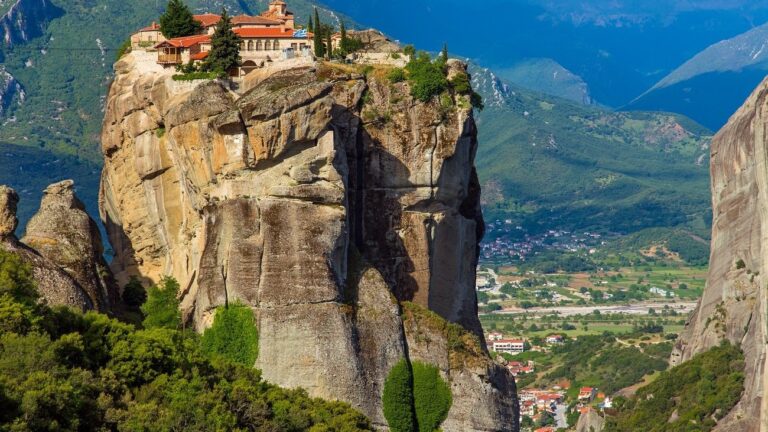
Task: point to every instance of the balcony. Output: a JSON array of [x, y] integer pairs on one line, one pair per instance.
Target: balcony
[[168, 59]]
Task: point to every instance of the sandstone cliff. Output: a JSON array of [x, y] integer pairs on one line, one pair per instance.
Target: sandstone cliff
[[54, 284], [325, 200], [62, 232], [590, 421], [735, 302]]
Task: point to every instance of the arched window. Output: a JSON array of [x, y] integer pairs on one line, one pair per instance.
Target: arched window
[[250, 45], [276, 45], [258, 45]]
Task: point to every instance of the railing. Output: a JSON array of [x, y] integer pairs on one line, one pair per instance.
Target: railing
[[169, 58]]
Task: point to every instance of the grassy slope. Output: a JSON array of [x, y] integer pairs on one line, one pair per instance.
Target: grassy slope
[[550, 162]]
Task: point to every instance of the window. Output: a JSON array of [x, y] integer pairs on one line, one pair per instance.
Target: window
[[276, 45], [259, 47], [250, 45]]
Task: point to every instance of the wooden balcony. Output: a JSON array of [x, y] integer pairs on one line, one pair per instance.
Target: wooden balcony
[[168, 59]]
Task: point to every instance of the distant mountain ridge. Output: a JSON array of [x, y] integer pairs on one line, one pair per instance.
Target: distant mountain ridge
[[711, 85], [545, 75], [546, 162]]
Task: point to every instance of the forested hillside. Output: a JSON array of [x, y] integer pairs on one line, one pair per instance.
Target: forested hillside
[[62, 370], [548, 162]]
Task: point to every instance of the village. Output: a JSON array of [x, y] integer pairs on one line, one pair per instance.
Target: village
[[506, 242], [552, 402]]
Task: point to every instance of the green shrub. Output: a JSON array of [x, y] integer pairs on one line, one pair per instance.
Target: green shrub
[[233, 336], [16, 278], [70, 371], [460, 83], [398, 398], [740, 264], [124, 49], [409, 50], [415, 397], [431, 396], [427, 78], [161, 310], [196, 76], [396, 75]]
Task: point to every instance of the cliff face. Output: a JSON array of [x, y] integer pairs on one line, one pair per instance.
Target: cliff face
[[10, 90], [322, 199], [62, 232], [67, 266], [735, 302]]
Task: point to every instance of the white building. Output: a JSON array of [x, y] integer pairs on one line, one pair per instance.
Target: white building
[[509, 346]]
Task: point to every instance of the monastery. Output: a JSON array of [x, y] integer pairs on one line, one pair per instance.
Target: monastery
[[267, 37]]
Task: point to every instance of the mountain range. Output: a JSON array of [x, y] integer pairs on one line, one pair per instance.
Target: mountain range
[[548, 162], [554, 64]]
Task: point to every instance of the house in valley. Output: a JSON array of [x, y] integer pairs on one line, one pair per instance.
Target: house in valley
[[509, 346]]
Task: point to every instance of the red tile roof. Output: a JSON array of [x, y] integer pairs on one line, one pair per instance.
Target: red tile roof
[[263, 32], [208, 19], [253, 20], [152, 27], [185, 42], [199, 56]]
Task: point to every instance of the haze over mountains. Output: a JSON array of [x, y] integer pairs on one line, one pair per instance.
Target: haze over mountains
[[619, 49], [597, 53]]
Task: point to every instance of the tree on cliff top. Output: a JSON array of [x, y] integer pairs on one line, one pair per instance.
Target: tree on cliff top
[[225, 46], [177, 21]]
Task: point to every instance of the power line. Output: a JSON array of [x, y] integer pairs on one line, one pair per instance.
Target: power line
[[27, 48]]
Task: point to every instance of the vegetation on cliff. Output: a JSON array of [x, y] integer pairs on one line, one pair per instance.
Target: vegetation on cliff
[[689, 397], [415, 397], [161, 310], [233, 336], [225, 46], [177, 21], [62, 370]]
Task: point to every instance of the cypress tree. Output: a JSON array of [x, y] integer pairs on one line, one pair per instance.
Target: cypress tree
[[225, 46], [177, 21], [444, 53], [344, 43], [310, 27], [329, 44], [318, 39]]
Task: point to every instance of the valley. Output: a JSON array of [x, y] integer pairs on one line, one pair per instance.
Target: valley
[[358, 224]]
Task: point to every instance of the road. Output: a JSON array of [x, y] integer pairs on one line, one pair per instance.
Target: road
[[560, 420], [632, 309]]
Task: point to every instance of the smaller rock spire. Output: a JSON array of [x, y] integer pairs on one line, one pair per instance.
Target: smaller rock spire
[[9, 200]]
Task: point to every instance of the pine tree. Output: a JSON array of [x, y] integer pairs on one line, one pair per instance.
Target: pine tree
[[444, 53], [310, 27], [177, 21], [318, 39], [225, 46]]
